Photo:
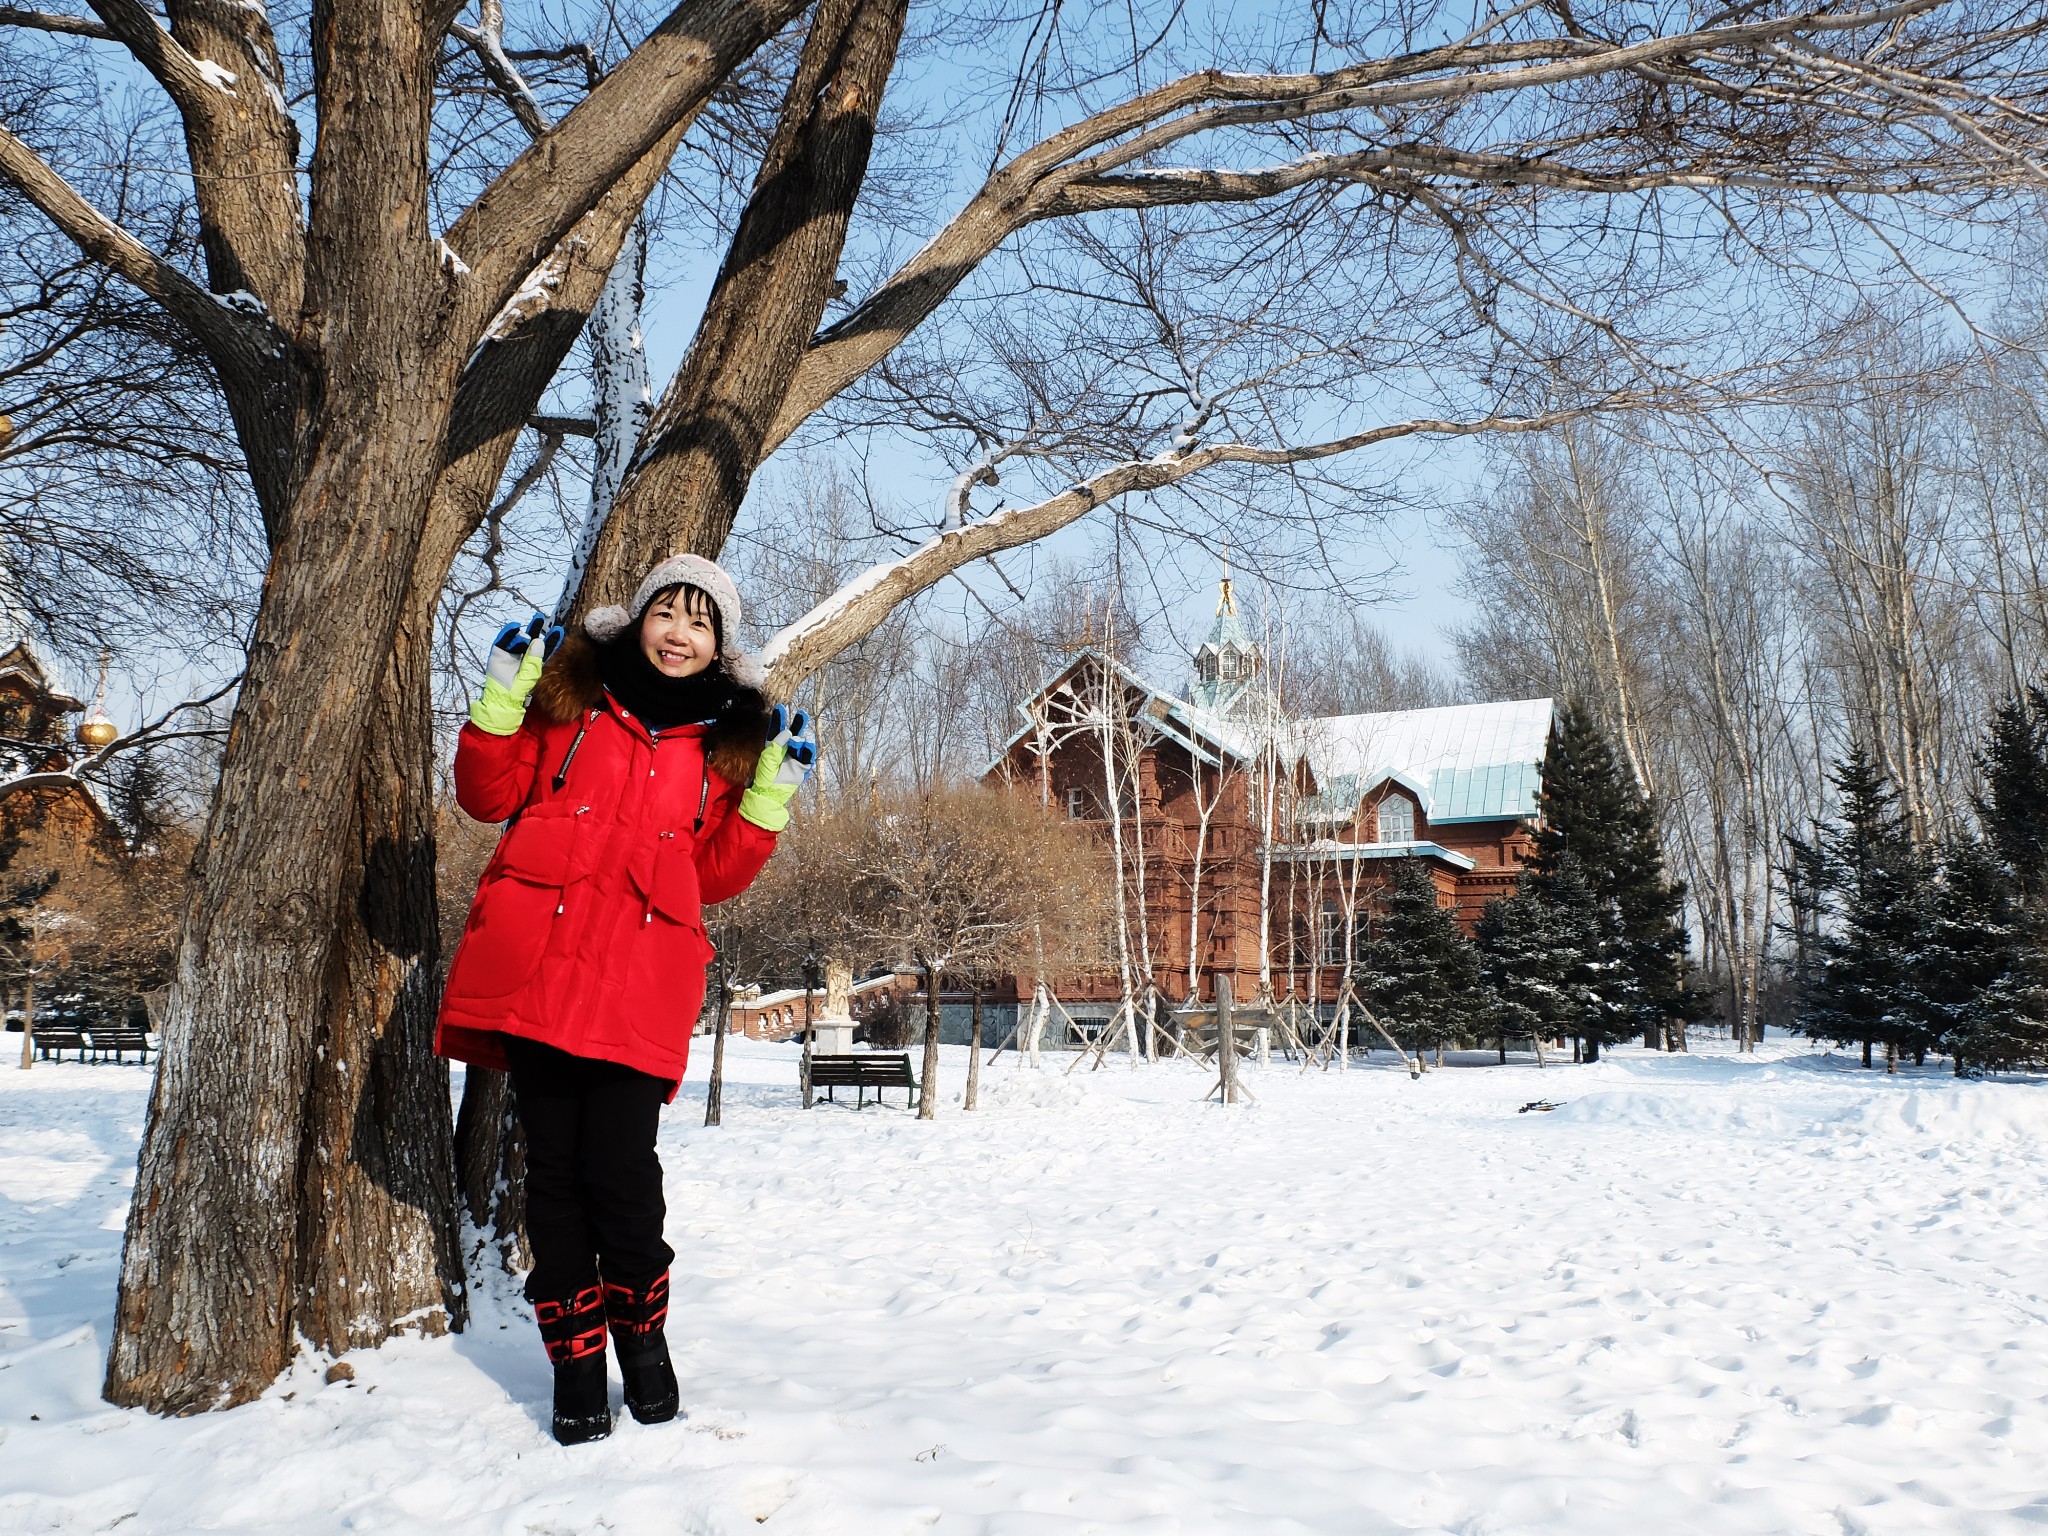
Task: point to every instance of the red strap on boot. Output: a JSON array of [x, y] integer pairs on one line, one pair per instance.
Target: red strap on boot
[[636, 1311], [574, 1328]]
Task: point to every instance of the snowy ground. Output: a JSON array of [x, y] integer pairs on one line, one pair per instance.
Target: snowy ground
[[1710, 1294]]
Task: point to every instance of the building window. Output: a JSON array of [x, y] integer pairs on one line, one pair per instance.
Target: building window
[[1077, 804], [1397, 820], [1332, 936]]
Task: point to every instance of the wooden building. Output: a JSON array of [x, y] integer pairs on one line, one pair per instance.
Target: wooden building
[[1257, 844], [36, 736]]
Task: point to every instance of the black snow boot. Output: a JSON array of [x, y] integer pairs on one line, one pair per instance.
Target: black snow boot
[[638, 1314], [573, 1331]]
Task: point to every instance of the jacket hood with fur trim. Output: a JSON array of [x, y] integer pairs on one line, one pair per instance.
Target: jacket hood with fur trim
[[570, 684]]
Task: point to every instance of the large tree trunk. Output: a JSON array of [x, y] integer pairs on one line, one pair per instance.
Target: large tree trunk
[[379, 1238], [208, 1272]]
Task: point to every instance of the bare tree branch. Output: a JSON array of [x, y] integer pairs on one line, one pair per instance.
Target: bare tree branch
[[229, 330], [44, 21], [1040, 183], [536, 200], [858, 607], [74, 775]]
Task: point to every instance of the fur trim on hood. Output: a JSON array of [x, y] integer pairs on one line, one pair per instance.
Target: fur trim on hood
[[570, 684]]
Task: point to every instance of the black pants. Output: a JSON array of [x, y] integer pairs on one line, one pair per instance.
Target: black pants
[[593, 1182]]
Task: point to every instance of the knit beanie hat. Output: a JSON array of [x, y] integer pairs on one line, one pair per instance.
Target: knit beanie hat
[[608, 623]]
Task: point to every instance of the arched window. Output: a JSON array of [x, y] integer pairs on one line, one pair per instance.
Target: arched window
[[1397, 820]]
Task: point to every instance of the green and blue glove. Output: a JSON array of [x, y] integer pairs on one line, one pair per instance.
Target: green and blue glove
[[786, 761], [512, 674]]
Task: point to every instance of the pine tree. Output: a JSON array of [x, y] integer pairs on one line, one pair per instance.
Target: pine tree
[[1417, 970], [1539, 957], [1868, 951], [1978, 978], [2014, 806], [1593, 813]]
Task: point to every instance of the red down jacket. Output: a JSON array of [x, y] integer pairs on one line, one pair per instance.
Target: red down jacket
[[587, 932]]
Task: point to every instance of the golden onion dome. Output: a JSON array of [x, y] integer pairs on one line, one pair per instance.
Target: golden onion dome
[[96, 730]]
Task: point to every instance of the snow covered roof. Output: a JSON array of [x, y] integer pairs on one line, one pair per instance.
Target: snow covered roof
[[1481, 762], [1324, 848], [19, 664], [1465, 762]]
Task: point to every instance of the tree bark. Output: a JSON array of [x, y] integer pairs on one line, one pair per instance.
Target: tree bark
[[210, 1266], [207, 1274], [379, 1237]]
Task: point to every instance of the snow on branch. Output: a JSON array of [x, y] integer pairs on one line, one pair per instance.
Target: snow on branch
[[487, 41], [197, 86], [859, 607]]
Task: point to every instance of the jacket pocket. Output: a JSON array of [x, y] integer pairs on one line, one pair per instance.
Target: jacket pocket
[[545, 846], [521, 899]]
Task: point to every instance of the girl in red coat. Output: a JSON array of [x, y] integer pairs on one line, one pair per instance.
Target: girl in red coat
[[641, 774]]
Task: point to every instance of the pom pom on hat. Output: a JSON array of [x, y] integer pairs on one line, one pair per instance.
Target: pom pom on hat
[[607, 623]]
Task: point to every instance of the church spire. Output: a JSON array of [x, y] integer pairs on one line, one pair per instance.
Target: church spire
[[1229, 660]]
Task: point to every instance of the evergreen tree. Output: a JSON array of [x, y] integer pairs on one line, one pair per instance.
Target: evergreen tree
[[1594, 814], [1978, 979], [1417, 970], [1539, 956], [1869, 949], [2014, 806]]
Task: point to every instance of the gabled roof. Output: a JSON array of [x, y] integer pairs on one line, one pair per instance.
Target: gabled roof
[[1482, 762], [1208, 735]]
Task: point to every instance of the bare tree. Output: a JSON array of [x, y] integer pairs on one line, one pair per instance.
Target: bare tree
[[959, 881], [1559, 570], [1880, 553]]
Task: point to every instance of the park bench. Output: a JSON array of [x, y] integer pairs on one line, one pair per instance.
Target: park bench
[[118, 1039], [861, 1073], [56, 1039]]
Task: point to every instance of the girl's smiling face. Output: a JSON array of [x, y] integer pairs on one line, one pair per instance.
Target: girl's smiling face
[[679, 634]]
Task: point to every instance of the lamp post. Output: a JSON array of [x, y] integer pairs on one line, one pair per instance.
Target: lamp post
[[714, 1093], [814, 978]]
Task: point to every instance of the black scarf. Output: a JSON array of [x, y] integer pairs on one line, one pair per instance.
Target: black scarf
[[656, 699]]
